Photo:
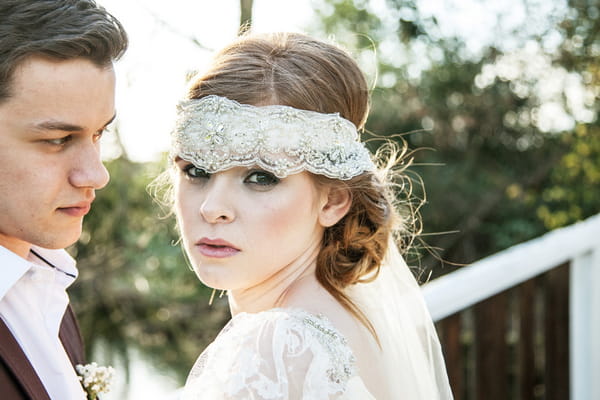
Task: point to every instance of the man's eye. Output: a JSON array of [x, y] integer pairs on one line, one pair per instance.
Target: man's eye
[[262, 178], [191, 171], [59, 141]]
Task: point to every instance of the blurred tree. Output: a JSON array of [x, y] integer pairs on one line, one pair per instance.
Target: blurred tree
[[513, 127], [246, 13]]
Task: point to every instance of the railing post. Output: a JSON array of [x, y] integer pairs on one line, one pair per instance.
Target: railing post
[[585, 325]]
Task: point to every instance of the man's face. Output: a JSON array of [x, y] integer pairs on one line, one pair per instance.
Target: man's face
[[50, 162]]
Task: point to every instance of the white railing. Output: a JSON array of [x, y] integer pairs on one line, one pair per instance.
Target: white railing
[[578, 244]]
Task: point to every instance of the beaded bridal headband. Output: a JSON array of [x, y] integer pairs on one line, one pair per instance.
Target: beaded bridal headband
[[215, 134]]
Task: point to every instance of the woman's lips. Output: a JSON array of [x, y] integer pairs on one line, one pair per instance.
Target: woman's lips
[[216, 248]]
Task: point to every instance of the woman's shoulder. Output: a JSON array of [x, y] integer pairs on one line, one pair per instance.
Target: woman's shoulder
[[281, 352], [296, 330], [293, 319]]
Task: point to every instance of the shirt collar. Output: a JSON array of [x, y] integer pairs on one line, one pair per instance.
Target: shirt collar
[[59, 258], [13, 267]]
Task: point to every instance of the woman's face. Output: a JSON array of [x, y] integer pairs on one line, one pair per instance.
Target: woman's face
[[243, 225]]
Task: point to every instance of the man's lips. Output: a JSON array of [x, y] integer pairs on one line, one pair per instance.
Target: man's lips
[[216, 248], [77, 210]]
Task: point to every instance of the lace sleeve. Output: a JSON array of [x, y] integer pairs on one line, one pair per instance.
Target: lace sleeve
[[278, 354]]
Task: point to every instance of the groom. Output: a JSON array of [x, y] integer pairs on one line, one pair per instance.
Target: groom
[[56, 98]]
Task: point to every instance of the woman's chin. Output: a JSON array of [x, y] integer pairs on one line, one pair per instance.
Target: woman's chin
[[210, 279]]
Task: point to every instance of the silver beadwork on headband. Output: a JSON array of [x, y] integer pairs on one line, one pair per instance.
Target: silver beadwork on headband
[[215, 134]]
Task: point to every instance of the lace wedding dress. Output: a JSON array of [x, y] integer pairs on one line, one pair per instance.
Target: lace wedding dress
[[277, 354]]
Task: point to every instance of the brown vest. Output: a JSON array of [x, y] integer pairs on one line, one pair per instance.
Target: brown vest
[[18, 380]]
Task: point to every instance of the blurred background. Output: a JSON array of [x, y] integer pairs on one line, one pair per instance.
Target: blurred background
[[500, 98]]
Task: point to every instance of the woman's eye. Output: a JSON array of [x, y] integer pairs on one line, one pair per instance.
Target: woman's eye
[[191, 171], [262, 178]]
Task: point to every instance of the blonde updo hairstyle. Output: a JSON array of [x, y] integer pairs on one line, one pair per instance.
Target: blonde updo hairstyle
[[296, 70]]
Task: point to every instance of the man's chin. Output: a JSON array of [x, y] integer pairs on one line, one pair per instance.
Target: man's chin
[[60, 240]]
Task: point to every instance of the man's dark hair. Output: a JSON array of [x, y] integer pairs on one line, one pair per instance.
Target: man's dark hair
[[58, 29]]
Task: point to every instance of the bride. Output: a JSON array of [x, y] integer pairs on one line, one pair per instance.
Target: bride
[[282, 206]]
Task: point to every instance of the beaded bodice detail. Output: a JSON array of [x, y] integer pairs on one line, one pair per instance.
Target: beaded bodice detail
[[215, 134], [336, 346], [276, 354]]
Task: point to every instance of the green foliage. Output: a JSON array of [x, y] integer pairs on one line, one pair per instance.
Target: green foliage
[[573, 189]]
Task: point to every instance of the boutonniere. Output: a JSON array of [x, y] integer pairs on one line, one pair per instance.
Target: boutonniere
[[95, 379]]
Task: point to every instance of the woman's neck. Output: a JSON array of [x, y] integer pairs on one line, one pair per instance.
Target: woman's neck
[[272, 292]]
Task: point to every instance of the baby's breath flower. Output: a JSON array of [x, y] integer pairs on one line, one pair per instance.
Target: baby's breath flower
[[95, 379]]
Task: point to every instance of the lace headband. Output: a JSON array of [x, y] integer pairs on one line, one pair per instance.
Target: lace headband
[[215, 134]]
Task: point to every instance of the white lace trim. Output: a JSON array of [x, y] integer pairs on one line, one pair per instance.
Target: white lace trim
[[215, 134], [277, 354]]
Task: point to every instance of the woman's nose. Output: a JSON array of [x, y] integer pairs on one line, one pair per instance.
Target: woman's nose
[[216, 207]]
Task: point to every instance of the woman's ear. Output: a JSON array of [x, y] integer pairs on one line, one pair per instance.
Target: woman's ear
[[337, 202]]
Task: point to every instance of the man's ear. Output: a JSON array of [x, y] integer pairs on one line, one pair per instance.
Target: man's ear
[[337, 202]]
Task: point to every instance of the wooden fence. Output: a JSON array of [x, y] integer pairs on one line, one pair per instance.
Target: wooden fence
[[525, 323]]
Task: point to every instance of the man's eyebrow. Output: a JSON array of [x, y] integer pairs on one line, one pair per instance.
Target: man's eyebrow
[[57, 126], [65, 126]]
